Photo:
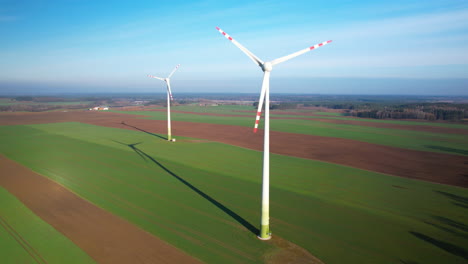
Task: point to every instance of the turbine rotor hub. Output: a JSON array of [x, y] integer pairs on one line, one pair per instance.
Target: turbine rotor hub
[[267, 67]]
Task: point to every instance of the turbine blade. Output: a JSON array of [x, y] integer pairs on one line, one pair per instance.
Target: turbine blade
[[175, 69], [254, 58], [288, 57], [265, 84], [159, 78], [169, 90]]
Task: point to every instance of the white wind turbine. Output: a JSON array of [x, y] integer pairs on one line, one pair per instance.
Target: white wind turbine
[[169, 98], [266, 67]]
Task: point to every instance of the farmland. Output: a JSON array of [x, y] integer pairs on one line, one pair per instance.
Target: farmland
[[203, 195], [416, 140], [25, 238]]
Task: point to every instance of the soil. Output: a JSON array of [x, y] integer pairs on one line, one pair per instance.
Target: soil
[[110, 239], [289, 253], [421, 165], [102, 235]]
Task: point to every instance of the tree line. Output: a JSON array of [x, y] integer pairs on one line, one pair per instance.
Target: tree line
[[425, 111], [380, 110]]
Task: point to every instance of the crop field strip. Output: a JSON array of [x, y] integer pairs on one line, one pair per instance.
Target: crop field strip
[[405, 163], [107, 238], [344, 194], [409, 139], [425, 141], [311, 116], [416, 126], [141, 214], [350, 153], [25, 238], [249, 110]]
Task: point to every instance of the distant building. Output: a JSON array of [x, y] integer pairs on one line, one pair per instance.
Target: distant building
[[97, 108]]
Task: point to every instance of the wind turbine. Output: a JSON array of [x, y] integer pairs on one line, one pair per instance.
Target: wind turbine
[[169, 99], [266, 67]]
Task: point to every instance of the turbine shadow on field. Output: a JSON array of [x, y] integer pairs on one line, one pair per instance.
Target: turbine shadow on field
[[156, 135], [448, 225], [452, 150], [408, 262], [450, 248], [457, 200], [228, 211]]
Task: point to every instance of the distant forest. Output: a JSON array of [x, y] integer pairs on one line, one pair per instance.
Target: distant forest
[[387, 107]]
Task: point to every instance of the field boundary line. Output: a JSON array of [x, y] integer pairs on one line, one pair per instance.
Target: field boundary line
[[23, 242]]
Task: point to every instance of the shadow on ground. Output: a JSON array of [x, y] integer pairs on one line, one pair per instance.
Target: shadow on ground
[[139, 129], [452, 150], [447, 229], [226, 210], [450, 248], [457, 200], [408, 262]]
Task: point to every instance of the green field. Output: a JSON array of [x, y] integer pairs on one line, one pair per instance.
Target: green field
[[237, 110], [409, 139], [204, 197], [25, 238]]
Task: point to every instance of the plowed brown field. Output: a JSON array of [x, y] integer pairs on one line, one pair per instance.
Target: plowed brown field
[[421, 165], [102, 235], [349, 121]]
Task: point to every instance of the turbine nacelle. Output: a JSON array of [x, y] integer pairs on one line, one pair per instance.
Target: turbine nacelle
[[267, 67]]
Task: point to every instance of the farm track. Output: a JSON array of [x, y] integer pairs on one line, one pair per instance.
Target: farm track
[[22, 242], [102, 235], [421, 165]]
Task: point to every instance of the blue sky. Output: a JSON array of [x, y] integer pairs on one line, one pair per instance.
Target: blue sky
[[379, 47]]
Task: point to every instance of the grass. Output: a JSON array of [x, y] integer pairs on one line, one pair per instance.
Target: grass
[[237, 109], [25, 238], [221, 109], [408, 139], [328, 113], [204, 197]]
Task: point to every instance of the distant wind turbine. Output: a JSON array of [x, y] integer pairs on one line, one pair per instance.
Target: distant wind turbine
[[266, 67], [169, 98]]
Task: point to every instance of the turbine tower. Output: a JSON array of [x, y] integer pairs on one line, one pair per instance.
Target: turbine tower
[[169, 99], [266, 67]]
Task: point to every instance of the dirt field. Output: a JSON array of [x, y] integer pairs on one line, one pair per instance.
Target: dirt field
[[428, 166], [103, 236]]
